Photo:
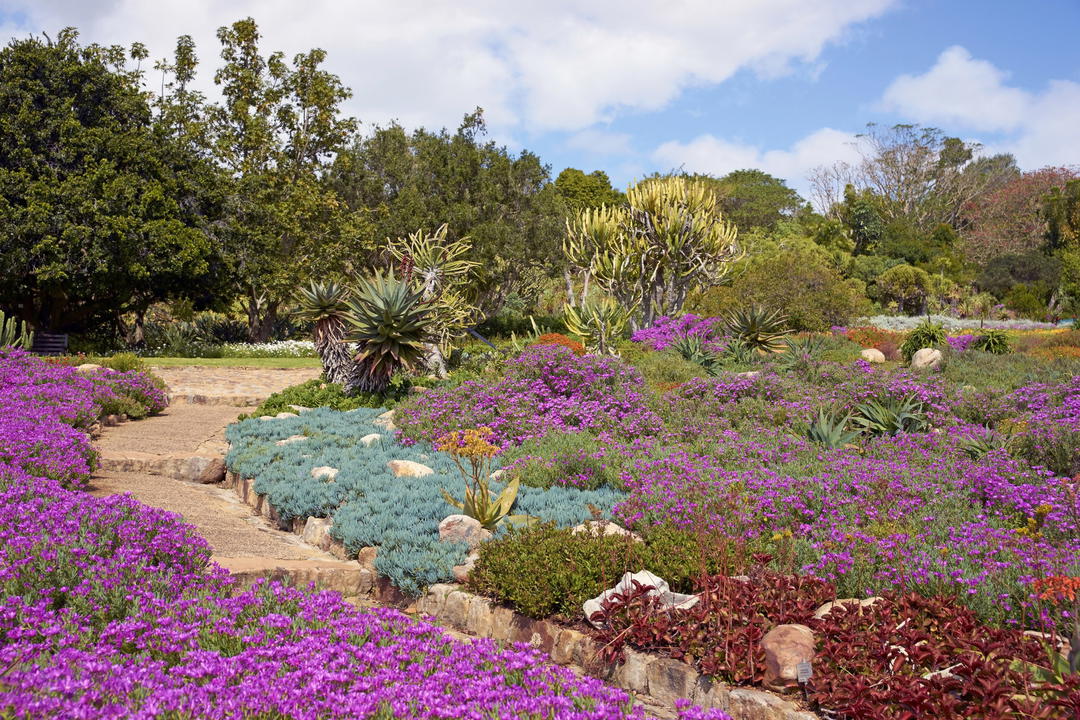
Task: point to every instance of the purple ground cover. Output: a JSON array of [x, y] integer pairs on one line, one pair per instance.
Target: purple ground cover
[[112, 609]]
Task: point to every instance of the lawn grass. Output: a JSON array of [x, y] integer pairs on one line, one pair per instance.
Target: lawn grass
[[302, 362]]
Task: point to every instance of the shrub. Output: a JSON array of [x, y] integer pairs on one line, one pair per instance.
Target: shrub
[[907, 286], [995, 342], [315, 394], [566, 459], [799, 283], [928, 334], [558, 339], [124, 362], [660, 367]]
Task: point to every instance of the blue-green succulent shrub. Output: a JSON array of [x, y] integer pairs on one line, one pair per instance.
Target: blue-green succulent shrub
[[368, 504]]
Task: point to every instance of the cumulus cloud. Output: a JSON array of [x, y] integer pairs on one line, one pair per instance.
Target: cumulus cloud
[[600, 142], [961, 92], [562, 64], [717, 156]]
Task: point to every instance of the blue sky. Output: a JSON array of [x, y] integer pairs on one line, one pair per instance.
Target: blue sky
[[631, 86]]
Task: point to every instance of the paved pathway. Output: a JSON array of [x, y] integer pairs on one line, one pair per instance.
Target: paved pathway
[[155, 459]]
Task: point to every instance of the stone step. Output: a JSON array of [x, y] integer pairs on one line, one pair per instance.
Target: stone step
[[240, 401], [180, 466], [347, 578]]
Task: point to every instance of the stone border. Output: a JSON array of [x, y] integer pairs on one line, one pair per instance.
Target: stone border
[[664, 679]]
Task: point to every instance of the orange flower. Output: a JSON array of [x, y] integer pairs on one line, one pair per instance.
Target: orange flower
[[1057, 588]]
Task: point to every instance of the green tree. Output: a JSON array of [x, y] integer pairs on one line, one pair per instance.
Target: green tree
[[909, 287], [505, 204], [275, 132], [1061, 207], [579, 190], [102, 212], [756, 199]]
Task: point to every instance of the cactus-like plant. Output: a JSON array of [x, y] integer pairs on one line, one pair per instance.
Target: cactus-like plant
[[995, 342], [324, 304], [757, 328], [474, 447], [599, 323], [390, 323], [831, 431], [15, 333]]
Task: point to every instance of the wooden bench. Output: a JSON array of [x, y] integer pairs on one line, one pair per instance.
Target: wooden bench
[[49, 343]]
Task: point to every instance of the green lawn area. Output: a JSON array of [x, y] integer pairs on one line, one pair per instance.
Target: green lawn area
[[304, 362]]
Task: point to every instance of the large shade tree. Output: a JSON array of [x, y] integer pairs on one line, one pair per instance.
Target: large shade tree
[[504, 203], [102, 212]]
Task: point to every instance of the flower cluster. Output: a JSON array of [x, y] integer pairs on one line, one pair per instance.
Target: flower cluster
[[113, 609], [666, 330]]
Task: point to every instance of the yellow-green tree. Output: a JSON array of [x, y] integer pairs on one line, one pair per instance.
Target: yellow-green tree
[[669, 239]]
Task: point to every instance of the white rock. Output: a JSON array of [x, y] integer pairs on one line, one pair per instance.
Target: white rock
[[386, 420], [370, 439], [87, 368], [464, 529], [283, 415], [872, 355], [267, 417], [927, 359], [299, 408], [292, 439], [324, 471], [749, 373], [599, 527], [497, 475], [408, 468], [461, 572], [660, 589], [829, 606]]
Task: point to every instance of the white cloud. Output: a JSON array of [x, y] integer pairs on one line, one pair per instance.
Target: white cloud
[[717, 156], [600, 142], [959, 90], [962, 92], [562, 64]]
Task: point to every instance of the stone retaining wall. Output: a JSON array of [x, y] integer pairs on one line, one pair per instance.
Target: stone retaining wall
[[664, 679]]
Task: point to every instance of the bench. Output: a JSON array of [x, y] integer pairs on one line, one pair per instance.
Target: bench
[[49, 343]]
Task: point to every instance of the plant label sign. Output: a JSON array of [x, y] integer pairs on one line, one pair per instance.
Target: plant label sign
[[803, 672]]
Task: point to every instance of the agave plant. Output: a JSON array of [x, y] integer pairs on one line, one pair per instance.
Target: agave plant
[[891, 416], [739, 353], [692, 348], [830, 430], [757, 328], [15, 333], [389, 322], [324, 304], [995, 342], [978, 446], [927, 334]]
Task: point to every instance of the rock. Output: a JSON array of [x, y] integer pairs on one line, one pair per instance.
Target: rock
[[461, 572], [927, 359], [267, 417], [214, 472], [463, 529], [87, 368], [600, 527], [370, 439], [324, 471], [749, 374], [497, 475], [386, 420], [366, 557], [872, 355], [299, 408], [660, 589], [316, 531], [829, 606], [408, 468], [113, 420], [418, 390], [786, 646], [283, 415], [292, 439]]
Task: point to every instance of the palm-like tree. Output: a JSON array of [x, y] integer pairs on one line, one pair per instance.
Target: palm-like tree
[[391, 325], [324, 304]]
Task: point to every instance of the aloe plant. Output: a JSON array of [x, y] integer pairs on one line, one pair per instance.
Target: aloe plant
[[599, 323], [927, 334], [891, 416], [757, 328], [390, 323], [324, 304], [995, 342], [831, 431]]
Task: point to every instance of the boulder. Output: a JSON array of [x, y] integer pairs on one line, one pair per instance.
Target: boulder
[[463, 529], [872, 355], [370, 439], [299, 408], [749, 374], [408, 468], [785, 646], [461, 572], [600, 527], [214, 472], [87, 368], [324, 471], [283, 415], [386, 420], [292, 439], [660, 589], [927, 359]]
